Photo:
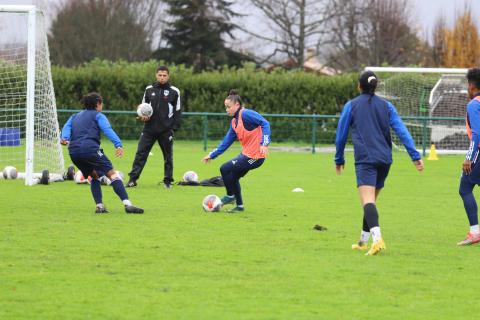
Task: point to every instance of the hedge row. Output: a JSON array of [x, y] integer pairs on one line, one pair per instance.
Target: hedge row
[[122, 85]]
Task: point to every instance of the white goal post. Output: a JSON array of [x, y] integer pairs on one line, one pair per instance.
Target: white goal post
[[29, 130], [432, 102]]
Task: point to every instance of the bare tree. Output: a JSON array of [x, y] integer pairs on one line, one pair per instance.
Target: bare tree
[[109, 29], [349, 34], [374, 32], [439, 38], [294, 25]]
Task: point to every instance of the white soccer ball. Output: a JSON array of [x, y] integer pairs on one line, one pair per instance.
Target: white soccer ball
[[144, 110], [10, 172], [79, 178], [212, 203], [190, 176]]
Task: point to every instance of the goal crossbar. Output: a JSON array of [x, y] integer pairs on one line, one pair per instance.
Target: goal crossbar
[[418, 70]]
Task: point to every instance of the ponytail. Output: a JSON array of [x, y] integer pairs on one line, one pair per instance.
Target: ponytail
[[368, 82]]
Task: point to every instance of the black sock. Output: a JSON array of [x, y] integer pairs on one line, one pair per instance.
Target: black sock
[[365, 224], [370, 215]]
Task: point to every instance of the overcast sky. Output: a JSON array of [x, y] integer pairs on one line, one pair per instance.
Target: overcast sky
[[424, 15], [426, 11]]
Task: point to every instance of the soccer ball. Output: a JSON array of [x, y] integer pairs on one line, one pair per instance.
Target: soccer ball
[[190, 176], [79, 178], [212, 203], [10, 172], [144, 110]]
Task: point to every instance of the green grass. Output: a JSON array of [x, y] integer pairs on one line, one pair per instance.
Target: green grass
[[58, 260]]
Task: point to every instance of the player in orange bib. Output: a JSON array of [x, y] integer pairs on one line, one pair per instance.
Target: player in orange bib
[[471, 169], [253, 132]]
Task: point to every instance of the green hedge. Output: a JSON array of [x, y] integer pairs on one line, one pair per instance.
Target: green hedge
[[122, 85]]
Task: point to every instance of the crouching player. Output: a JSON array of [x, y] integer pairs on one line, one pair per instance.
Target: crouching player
[[82, 134], [253, 132]]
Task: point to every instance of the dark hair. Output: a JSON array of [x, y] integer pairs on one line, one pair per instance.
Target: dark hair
[[163, 68], [473, 77], [368, 82], [234, 96], [90, 100]]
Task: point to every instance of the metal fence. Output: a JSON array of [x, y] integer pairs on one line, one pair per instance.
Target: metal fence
[[315, 132]]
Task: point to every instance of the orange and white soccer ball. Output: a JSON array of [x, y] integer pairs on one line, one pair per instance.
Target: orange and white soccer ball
[[190, 176], [79, 178], [212, 203]]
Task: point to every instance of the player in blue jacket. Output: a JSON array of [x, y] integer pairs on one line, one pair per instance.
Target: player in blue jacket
[[471, 169], [82, 135], [370, 118], [253, 132]]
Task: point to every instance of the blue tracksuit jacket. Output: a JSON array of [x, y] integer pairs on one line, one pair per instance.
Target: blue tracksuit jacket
[[370, 118], [83, 131]]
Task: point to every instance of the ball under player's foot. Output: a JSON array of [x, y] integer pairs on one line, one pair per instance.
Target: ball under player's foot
[[236, 209], [376, 247], [227, 200], [471, 238], [133, 209], [360, 245]]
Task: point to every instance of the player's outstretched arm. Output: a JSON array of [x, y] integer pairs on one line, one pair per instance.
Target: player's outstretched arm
[[227, 141], [342, 135], [206, 159], [402, 132], [418, 165], [108, 131], [66, 131]]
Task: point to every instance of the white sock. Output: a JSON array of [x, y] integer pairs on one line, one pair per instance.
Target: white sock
[[364, 236], [474, 229], [100, 205], [376, 234], [127, 202]]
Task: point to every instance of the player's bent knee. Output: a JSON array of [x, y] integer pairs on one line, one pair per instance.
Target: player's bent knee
[[115, 177]]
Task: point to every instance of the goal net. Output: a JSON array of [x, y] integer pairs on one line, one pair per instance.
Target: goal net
[[29, 131], [432, 103]]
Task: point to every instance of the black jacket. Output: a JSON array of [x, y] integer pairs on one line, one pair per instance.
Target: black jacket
[[165, 101]]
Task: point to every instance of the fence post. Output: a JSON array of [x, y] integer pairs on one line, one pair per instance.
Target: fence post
[[205, 132], [424, 136], [314, 132]]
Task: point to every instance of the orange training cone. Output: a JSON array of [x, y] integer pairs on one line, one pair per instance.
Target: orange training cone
[[433, 153]]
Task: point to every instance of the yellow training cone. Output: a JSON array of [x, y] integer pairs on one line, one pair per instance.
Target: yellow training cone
[[433, 153]]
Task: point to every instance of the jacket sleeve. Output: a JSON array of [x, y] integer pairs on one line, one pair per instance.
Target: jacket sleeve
[[257, 120], [229, 138], [342, 133], [473, 114], [146, 98], [402, 132], [67, 129], [107, 130], [177, 113]]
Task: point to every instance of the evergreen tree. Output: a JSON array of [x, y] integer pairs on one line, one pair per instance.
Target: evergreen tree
[[195, 36]]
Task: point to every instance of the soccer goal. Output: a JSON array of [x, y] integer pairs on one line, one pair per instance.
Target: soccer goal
[[29, 131], [431, 101]]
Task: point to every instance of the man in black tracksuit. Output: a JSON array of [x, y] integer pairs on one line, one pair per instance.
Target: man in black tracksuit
[[165, 101]]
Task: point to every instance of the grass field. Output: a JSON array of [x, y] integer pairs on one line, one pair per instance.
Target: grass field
[[58, 260]]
